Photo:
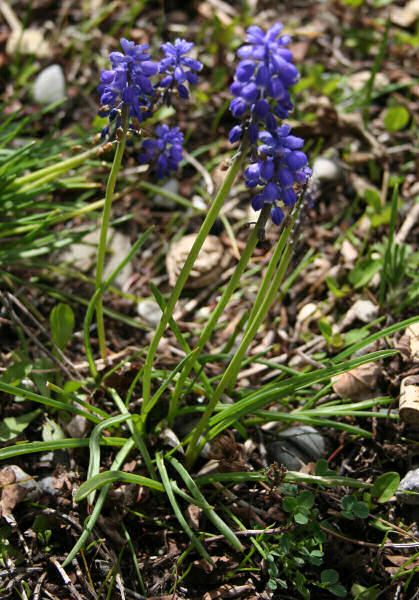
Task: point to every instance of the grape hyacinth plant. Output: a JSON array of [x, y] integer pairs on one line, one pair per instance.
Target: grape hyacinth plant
[[129, 97], [278, 169]]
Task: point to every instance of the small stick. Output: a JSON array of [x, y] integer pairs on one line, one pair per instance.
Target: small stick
[[66, 579]]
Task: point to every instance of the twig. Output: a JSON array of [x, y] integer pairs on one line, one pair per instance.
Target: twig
[[205, 175], [134, 595], [379, 547], [109, 361], [10, 16], [49, 595], [19, 570], [8, 299], [411, 220], [87, 584], [308, 360], [38, 586], [248, 533], [66, 579]]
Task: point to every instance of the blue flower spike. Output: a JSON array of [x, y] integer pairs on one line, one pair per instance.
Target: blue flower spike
[[129, 84], [167, 150], [178, 68], [261, 100]]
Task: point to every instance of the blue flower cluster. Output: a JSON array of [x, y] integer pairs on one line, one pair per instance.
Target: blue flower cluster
[[261, 84], [174, 66], [128, 84], [281, 165], [167, 148]]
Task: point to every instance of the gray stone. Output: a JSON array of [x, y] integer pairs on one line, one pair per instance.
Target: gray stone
[[171, 186], [49, 485], [83, 255], [27, 482], [297, 446], [325, 169], [408, 490], [363, 310], [49, 85], [150, 312]]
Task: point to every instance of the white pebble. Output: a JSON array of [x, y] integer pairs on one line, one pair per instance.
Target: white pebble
[[49, 85], [150, 312], [325, 169]]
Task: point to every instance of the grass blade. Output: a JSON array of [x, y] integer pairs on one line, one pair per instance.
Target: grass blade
[[176, 509], [222, 527]]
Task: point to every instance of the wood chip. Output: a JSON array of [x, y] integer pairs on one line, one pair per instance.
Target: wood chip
[[409, 400]]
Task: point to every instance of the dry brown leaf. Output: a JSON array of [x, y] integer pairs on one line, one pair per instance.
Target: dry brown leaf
[[407, 15], [210, 264], [357, 384], [408, 344], [11, 492], [28, 41], [400, 560], [193, 512]]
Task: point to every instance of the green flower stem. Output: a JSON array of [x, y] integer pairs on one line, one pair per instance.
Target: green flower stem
[[267, 278], [259, 311], [221, 304], [270, 285], [390, 245], [232, 370], [110, 188], [31, 180], [184, 274]]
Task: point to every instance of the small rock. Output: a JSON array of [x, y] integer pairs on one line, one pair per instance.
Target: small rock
[[49, 85], [118, 246], [171, 186], [406, 16], [78, 427], [358, 80], [198, 202], [364, 310], [50, 485], [150, 312], [170, 438], [212, 261], [297, 446], [409, 483], [308, 311], [349, 252], [325, 169], [82, 256]]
